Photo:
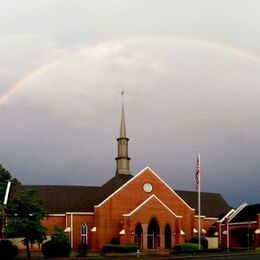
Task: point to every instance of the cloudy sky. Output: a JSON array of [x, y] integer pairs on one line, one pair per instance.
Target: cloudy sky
[[191, 72]]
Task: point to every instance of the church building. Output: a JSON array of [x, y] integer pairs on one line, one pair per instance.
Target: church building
[[140, 208]]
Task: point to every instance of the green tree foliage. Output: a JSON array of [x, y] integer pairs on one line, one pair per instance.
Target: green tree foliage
[[5, 177], [59, 235], [24, 219]]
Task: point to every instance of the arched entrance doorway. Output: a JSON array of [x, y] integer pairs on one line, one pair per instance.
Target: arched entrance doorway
[[139, 236], [168, 236], [153, 235]]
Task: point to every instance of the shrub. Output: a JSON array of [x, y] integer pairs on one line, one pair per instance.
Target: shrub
[[58, 246], [128, 248], [52, 249], [115, 241], [59, 235], [257, 249], [186, 248], [204, 242], [7, 250], [82, 250]]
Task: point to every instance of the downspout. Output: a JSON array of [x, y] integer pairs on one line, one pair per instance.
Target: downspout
[[71, 229]]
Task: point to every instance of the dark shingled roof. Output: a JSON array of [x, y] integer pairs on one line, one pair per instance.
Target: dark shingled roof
[[212, 204], [60, 199], [248, 213], [115, 183]]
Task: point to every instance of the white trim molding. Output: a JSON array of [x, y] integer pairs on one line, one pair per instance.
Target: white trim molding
[[202, 216], [242, 223], [136, 176], [240, 208], [80, 213], [227, 215], [208, 218], [56, 215], [142, 204]]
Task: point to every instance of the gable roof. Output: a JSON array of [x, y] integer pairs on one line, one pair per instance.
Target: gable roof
[[248, 213], [212, 204], [58, 199], [146, 169]]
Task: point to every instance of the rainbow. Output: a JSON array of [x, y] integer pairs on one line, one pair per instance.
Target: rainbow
[[11, 90]]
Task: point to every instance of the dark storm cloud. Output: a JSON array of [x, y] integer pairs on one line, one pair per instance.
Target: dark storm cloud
[[61, 126]]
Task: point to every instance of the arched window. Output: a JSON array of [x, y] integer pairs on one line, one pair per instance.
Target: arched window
[[84, 234]]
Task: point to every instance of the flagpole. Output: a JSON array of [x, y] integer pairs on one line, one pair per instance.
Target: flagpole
[[199, 204]]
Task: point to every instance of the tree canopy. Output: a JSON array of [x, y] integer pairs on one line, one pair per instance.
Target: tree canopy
[[24, 218]]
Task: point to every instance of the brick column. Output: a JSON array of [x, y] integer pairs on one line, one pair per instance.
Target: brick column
[[162, 242], [144, 227]]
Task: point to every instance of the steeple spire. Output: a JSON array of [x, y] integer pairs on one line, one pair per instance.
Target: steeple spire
[[122, 126], [122, 160]]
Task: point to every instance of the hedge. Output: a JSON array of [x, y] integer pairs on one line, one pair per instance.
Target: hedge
[[52, 249], [203, 241], [128, 248], [186, 248]]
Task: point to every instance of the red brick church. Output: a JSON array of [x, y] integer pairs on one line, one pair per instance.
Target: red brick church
[[140, 208]]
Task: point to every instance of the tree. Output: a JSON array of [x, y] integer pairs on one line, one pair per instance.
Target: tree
[[24, 219], [5, 177]]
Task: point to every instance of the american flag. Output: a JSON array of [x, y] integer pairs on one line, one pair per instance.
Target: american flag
[[197, 172]]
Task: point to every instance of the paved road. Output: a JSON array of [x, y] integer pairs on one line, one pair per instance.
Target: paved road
[[245, 257], [215, 257], [198, 257]]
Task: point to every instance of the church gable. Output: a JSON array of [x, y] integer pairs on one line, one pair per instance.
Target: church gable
[[141, 187], [151, 208]]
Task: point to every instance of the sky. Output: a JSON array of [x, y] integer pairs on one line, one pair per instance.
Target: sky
[[191, 73]]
